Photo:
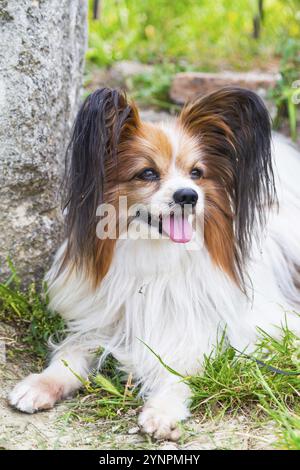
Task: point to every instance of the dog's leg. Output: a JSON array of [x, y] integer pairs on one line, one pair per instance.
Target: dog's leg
[[41, 391], [164, 409]]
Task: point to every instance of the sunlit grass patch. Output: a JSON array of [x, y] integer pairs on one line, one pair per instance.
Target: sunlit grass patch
[[289, 428], [232, 381]]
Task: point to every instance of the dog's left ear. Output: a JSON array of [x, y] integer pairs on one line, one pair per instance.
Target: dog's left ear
[[234, 132]]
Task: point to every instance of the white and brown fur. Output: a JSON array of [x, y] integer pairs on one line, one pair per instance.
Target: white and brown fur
[[120, 294]]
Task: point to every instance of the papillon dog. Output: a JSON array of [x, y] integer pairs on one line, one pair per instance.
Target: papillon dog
[[209, 242]]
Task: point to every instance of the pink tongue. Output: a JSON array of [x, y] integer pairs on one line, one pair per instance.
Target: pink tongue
[[178, 228]]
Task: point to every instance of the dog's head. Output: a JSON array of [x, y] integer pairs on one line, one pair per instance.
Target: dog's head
[[213, 161]]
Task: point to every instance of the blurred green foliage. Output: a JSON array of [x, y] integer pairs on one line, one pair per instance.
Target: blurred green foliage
[[152, 88], [210, 35], [284, 92]]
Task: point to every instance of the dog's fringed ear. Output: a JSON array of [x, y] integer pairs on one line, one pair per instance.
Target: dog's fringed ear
[[105, 118], [234, 132]]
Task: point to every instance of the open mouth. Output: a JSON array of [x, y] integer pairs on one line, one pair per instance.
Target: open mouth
[[176, 226]]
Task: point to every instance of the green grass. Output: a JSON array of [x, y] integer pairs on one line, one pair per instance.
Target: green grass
[[26, 310], [231, 384], [105, 395], [289, 427], [210, 35], [232, 380], [283, 94]]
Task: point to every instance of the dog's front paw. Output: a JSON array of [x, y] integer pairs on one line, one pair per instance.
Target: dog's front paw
[[35, 392], [158, 424]]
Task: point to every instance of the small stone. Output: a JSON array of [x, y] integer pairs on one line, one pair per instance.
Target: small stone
[[150, 115], [133, 430], [168, 446], [131, 412], [188, 85], [128, 68]]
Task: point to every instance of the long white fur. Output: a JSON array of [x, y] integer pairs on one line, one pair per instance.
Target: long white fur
[[176, 301]]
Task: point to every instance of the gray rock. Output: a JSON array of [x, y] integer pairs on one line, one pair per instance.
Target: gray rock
[[188, 85], [122, 70], [42, 49], [150, 115], [119, 75]]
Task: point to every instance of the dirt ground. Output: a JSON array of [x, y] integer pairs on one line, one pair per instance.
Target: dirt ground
[[55, 429]]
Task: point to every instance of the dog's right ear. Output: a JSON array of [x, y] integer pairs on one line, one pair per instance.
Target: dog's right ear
[[105, 118]]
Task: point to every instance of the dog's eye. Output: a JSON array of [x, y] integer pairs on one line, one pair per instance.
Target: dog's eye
[[196, 173], [148, 175]]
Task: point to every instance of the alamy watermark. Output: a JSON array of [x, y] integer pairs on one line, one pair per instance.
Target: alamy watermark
[[151, 222]]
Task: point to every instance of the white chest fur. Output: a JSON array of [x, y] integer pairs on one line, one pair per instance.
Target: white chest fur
[[172, 299]]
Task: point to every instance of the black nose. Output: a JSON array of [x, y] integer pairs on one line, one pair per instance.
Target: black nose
[[185, 196]]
